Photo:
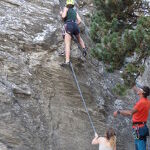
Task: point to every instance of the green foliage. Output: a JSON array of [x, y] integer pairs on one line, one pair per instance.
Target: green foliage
[[118, 33], [131, 72], [131, 68], [120, 89]]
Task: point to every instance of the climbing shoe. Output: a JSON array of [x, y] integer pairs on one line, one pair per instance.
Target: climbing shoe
[[84, 52], [65, 64]]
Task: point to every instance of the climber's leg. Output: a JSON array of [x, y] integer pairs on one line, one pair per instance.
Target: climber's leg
[[67, 46], [76, 32], [80, 41]]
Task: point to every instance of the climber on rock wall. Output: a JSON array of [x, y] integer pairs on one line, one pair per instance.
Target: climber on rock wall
[[139, 115], [72, 20]]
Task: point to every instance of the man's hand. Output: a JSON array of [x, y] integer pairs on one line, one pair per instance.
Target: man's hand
[[115, 114]]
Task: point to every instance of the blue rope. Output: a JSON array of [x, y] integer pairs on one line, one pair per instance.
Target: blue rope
[[81, 95]]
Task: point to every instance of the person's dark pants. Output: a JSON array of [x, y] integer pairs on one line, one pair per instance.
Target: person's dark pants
[[140, 144], [72, 28]]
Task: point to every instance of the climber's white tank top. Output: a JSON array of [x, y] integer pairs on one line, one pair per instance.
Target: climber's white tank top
[[104, 145]]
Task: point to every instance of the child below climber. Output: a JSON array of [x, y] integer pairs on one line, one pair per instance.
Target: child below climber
[[72, 20], [108, 142]]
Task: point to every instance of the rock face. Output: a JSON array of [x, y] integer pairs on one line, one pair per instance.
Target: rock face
[[40, 105]]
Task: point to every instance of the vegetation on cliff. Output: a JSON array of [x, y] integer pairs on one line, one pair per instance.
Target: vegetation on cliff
[[120, 30]]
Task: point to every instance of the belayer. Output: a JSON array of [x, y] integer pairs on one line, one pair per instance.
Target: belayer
[[139, 115], [108, 142], [72, 20]]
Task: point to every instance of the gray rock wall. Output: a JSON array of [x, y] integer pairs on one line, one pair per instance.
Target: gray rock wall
[[40, 107]]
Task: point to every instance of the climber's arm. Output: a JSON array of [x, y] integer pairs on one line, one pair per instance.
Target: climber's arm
[[64, 13], [96, 140], [78, 19]]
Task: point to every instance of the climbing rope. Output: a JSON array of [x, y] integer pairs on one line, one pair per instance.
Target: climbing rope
[[81, 95], [77, 83]]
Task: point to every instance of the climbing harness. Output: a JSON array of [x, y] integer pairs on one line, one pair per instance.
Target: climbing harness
[[135, 133]]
